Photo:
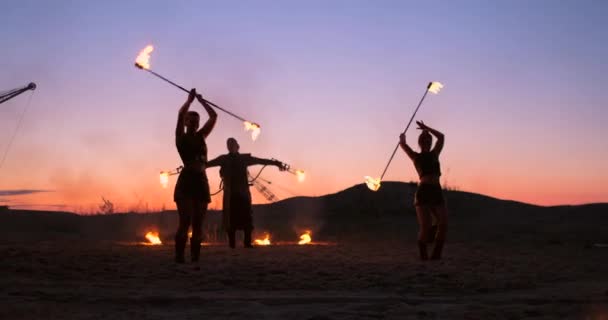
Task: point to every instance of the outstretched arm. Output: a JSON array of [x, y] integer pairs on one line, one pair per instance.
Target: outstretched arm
[[410, 153], [215, 162], [440, 137], [181, 115], [267, 162], [208, 127]]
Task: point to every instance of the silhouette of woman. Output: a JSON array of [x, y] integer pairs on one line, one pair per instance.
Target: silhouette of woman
[[429, 200], [192, 189]]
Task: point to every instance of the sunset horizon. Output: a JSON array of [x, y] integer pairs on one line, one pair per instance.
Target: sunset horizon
[[520, 116]]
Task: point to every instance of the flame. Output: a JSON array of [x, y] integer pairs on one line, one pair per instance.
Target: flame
[[153, 238], [372, 183], [254, 128], [263, 242], [143, 59], [164, 179], [435, 87], [305, 238], [301, 175]]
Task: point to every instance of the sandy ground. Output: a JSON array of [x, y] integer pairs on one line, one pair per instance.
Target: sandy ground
[[103, 280]]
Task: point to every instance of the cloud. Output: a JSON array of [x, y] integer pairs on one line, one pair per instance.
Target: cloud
[[20, 192]]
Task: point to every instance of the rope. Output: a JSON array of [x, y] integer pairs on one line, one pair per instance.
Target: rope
[[221, 188], [10, 142]]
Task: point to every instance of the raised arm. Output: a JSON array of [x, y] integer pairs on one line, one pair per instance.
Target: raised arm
[[181, 115], [208, 127], [440, 137], [410, 153]]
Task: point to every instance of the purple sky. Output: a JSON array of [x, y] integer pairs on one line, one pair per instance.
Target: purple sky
[[331, 83]]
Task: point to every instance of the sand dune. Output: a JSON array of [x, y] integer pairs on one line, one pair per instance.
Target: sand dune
[[505, 260]]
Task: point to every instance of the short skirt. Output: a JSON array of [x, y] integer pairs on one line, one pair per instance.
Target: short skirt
[[192, 184], [429, 195]]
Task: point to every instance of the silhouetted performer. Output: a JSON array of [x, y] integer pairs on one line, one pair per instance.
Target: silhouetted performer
[[237, 196], [192, 188], [429, 200]]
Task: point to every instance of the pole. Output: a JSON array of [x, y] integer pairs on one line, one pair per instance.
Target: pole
[[187, 91], [404, 131]]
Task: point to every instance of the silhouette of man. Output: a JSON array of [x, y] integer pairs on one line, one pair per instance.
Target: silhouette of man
[[236, 213]]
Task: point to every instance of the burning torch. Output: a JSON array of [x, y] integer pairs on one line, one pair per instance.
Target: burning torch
[[164, 175], [374, 183], [143, 62], [300, 174]]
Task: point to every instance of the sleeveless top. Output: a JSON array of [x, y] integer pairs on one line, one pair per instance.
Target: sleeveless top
[[192, 148], [427, 163]]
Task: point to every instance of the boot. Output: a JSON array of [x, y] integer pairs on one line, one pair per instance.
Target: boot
[[247, 239], [432, 234], [422, 247], [180, 246], [232, 238], [195, 249], [437, 250]]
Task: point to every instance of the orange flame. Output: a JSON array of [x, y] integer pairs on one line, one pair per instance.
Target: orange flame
[[254, 128], [153, 238], [143, 59], [164, 179], [305, 238], [301, 175], [263, 242], [372, 183]]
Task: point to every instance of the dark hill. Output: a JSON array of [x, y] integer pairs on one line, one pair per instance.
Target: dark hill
[[354, 214]]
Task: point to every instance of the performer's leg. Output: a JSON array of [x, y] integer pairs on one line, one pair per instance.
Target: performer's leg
[[232, 237], [247, 238], [185, 210], [423, 215], [200, 209], [442, 229]]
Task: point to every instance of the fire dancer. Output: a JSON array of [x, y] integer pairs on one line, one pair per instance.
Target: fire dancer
[[429, 200], [192, 189], [237, 196]]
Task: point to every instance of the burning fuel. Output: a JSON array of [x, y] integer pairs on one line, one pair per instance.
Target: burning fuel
[[372, 183], [301, 175], [305, 238], [143, 59], [164, 179], [263, 242], [254, 128], [153, 238], [435, 87]]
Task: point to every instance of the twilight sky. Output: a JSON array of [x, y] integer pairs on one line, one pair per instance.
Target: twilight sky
[[331, 82]]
